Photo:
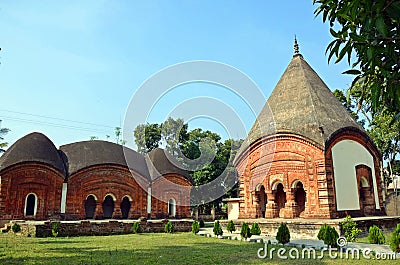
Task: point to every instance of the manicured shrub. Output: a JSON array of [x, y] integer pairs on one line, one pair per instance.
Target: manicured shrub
[[322, 231], [375, 235], [217, 229], [55, 230], [283, 235], [331, 236], [350, 229], [136, 229], [255, 229], [201, 224], [230, 226], [245, 231], [195, 227], [169, 227], [395, 239], [16, 228]]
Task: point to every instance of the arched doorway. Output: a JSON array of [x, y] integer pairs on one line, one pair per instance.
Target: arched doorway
[[125, 207], [108, 207], [280, 197], [90, 206], [262, 201], [171, 207], [366, 194], [30, 204], [300, 197]]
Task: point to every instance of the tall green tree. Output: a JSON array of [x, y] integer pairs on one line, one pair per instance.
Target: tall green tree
[[147, 137], [173, 133], [370, 31], [201, 151]]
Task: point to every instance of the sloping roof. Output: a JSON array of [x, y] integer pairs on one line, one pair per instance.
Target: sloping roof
[[160, 162], [84, 154], [34, 147], [302, 104]]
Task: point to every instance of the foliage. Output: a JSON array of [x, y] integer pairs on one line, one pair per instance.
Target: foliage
[[200, 151], [230, 226], [118, 132], [16, 228], [322, 232], [3, 131], [201, 223], [283, 235], [195, 227], [350, 229], [55, 229], [395, 239], [255, 229], [217, 229], [169, 227], [375, 235], [331, 236], [147, 137], [368, 29], [349, 105], [136, 228], [245, 231]]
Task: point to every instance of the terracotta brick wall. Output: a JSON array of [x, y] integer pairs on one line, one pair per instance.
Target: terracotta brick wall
[[20, 180], [101, 181], [171, 186]]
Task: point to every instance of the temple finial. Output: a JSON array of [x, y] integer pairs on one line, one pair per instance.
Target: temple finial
[[296, 46]]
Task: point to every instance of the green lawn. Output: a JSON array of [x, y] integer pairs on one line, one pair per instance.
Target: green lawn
[[386, 234], [179, 248]]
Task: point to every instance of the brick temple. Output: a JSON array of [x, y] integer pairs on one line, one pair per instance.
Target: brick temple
[[89, 180], [306, 156]]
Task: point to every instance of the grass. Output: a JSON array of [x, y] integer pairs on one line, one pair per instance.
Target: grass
[[178, 248], [386, 234]]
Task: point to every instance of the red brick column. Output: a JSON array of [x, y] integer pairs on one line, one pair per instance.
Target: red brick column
[[271, 210], [290, 210]]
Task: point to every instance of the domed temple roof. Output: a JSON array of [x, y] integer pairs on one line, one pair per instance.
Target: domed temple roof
[[160, 162], [301, 104], [34, 147], [84, 154]]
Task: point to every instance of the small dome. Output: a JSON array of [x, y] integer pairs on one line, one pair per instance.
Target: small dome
[[160, 162], [84, 154], [34, 147]]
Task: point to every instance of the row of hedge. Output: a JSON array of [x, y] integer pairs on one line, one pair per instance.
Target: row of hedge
[[326, 233]]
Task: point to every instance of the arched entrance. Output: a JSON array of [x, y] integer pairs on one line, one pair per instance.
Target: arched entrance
[[125, 207], [366, 194], [90, 206], [171, 207], [300, 197], [108, 207], [280, 197], [261, 200], [30, 205]]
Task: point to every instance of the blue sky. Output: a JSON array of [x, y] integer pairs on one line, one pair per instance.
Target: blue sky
[[69, 68]]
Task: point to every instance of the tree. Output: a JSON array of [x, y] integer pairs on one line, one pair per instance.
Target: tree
[[3, 131], [217, 229], [174, 133], [230, 226], [369, 29], [349, 105], [283, 235], [245, 231], [200, 151], [147, 137]]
